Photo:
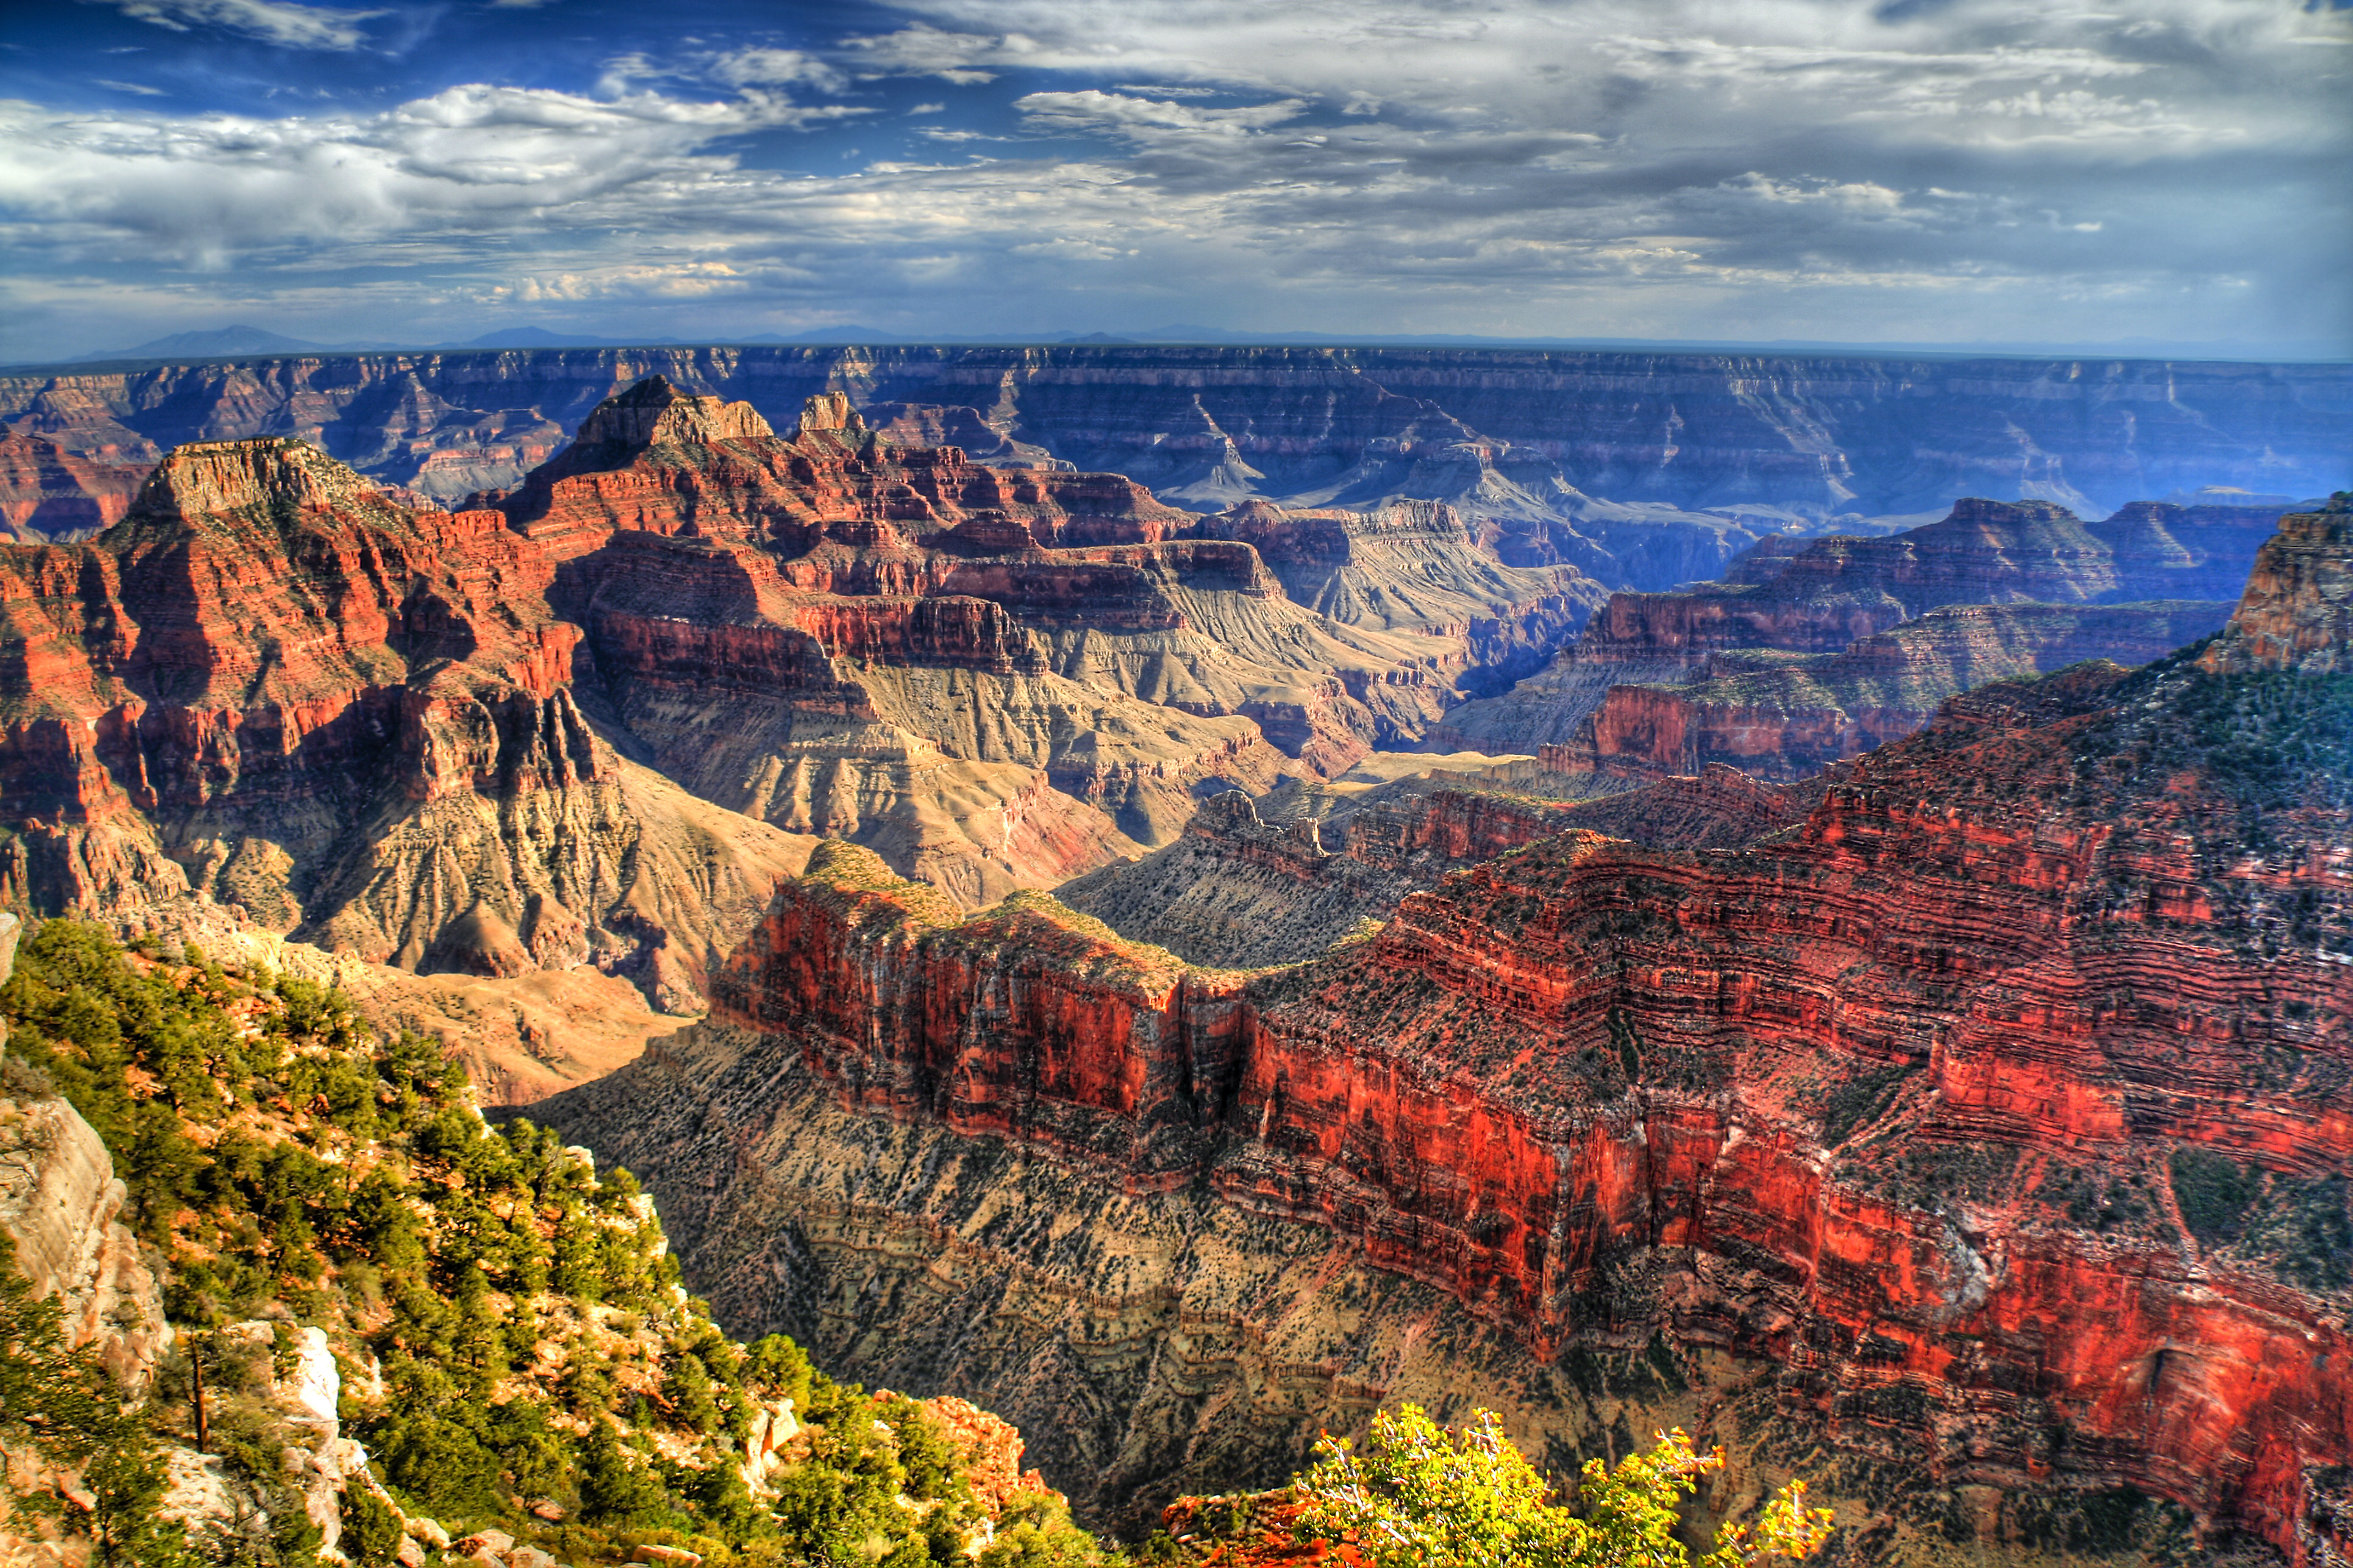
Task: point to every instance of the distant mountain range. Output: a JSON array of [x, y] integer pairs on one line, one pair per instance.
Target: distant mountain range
[[240, 341]]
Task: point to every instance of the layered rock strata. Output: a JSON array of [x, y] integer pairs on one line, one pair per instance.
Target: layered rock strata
[[1414, 567], [1238, 892], [998, 677], [51, 492], [1877, 631], [1989, 1129], [271, 686], [1837, 590], [590, 720], [1523, 439], [1786, 716]]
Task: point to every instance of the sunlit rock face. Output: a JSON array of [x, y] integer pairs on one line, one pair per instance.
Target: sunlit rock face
[[1811, 652], [592, 720], [1989, 1128]]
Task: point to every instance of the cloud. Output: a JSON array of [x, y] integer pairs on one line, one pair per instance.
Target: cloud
[[1148, 119], [923, 50], [1755, 168], [775, 68], [205, 188], [272, 21], [129, 87]]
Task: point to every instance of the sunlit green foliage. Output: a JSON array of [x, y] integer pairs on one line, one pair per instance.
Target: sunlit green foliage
[[527, 1340], [1433, 1497]]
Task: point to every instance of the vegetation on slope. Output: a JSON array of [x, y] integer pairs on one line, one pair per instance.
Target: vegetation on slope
[[514, 1350]]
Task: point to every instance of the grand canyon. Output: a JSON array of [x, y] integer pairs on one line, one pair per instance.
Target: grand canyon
[[1186, 896]]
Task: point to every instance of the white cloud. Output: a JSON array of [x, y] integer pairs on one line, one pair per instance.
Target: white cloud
[[922, 51], [1680, 167], [1148, 119], [775, 68], [203, 188], [272, 21]]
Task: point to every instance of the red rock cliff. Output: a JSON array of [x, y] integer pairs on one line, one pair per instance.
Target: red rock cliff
[[2003, 1104]]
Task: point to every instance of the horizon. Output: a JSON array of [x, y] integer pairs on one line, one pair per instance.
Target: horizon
[[187, 347], [1963, 176]]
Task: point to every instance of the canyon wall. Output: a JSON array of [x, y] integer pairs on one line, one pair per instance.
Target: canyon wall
[[589, 721], [1528, 439], [1788, 716], [1986, 1136], [1810, 651]]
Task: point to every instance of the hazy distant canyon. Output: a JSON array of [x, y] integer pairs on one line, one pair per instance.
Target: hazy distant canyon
[[1568, 456]]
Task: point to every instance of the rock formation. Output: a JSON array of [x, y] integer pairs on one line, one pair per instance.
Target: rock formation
[[1878, 631], [271, 686], [62, 1206], [590, 720], [1242, 892], [47, 492], [1412, 567], [2298, 612], [62, 1209], [1989, 1130], [1786, 716], [1526, 441]]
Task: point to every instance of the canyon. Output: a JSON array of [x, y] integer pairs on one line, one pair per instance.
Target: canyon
[[1225, 889], [1980, 1140], [591, 720], [1610, 462], [1810, 652]]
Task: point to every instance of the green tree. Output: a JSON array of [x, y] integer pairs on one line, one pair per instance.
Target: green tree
[[372, 1532], [60, 1401], [1422, 1494], [613, 1490]]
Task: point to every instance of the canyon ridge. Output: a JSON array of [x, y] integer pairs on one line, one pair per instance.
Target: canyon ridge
[[1206, 923]]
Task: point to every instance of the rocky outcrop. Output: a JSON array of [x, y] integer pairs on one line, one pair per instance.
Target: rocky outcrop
[[61, 1205], [1787, 716], [1837, 590], [1413, 567], [455, 743], [1882, 630], [48, 492], [1989, 1128], [2297, 611], [879, 617], [271, 686]]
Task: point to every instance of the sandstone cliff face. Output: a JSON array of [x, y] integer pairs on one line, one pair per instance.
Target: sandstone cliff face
[[62, 1208], [271, 686], [1788, 715], [527, 736], [1993, 1123], [1413, 567], [2298, 612], [1985, 552], [1878, 631], [998, 677], [48, 492]]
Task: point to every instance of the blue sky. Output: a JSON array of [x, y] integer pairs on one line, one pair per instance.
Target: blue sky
[[2149, 172]]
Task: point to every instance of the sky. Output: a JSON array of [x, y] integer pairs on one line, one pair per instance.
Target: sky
[[2159, 176]]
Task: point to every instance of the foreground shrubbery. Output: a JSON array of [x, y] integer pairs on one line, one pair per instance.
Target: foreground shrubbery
[[1419, 1493], [513, 1348], [508, 1325]]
